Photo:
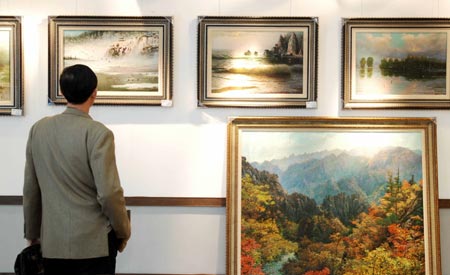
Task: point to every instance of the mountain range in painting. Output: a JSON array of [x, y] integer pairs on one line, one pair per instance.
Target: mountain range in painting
[[330, 172]]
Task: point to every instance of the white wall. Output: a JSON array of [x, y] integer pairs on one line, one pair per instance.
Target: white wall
[[181, 151]]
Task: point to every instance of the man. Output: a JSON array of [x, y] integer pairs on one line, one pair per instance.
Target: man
[[72, 198]]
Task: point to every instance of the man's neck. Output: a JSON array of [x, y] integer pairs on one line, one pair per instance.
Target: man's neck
[[84, 107]]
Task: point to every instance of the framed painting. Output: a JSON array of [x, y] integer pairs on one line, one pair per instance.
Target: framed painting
[[321, 196], [11, 87], [257, 62], [132, 56], [396, 63]]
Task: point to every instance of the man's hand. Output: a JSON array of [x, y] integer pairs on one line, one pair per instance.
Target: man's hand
[[122, 243], [34, 241]]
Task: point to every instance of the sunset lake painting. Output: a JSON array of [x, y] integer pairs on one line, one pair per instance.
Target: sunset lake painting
[[126, 62], [396, 63], [332, 202], [262, 62]]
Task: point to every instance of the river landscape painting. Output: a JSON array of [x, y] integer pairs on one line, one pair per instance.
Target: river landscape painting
[[393, 63], [331, 201], [244, 62], [130, 55], [396, 63]]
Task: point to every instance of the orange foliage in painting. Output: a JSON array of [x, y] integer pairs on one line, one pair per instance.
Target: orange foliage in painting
[[399, 238], [368, 233], [249, 265], [325, 271], [386, 237]]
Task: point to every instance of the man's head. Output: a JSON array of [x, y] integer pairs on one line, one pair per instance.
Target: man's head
[[77, 83]]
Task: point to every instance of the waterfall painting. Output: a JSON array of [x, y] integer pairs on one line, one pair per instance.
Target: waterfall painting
[[264, 62], [131, 56], [399, 63]]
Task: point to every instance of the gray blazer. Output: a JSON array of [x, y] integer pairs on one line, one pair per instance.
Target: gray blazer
[[72, 195]]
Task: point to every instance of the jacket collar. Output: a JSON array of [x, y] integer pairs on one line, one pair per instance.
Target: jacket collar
[[76, 112]]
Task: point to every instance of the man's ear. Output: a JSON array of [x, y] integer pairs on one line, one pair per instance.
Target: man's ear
[[94, 94]]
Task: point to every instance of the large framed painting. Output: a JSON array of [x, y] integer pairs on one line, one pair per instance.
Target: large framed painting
[[257, 62], [132, 56], [322, 196], [396, 63], [11, 88]]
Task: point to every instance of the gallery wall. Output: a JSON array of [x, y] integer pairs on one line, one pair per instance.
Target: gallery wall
[[180, 151]]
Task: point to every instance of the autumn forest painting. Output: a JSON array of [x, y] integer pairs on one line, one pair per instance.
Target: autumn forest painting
[[331, 203]]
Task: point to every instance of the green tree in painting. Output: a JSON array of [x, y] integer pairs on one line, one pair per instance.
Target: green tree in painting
[[392, 198], [362, 63], [345, 207], [413, 67], [403, 200], [370, 62]]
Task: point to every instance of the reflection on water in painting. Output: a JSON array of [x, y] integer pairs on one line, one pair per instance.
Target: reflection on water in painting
[[252, 75], [374, 82]]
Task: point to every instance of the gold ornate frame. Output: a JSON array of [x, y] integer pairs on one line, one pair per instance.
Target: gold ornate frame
[[425, 126]]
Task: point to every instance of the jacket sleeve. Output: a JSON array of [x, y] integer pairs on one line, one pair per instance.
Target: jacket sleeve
[[32, 205], [109, 191]]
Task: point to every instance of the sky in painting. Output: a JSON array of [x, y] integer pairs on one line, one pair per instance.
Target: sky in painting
[[401, 44], [240, 40], [4, 47], [73, 33], [267, 145], [4, 40]]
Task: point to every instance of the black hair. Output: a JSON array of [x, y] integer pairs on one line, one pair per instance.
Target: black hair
[[77, 83]]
